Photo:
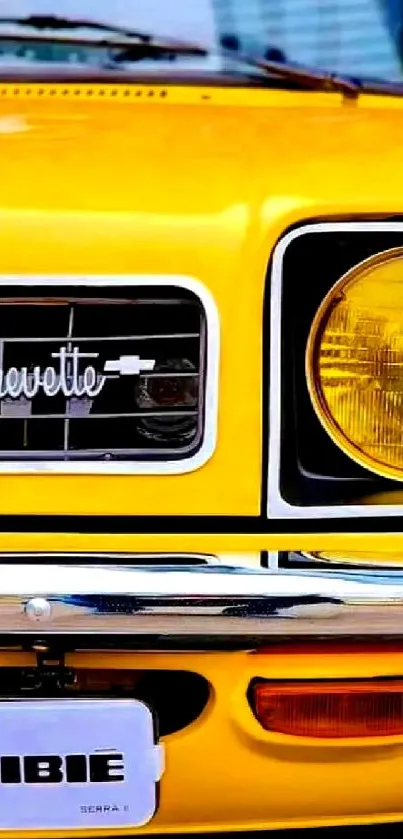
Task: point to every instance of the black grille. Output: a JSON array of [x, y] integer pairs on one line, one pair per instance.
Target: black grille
[[123, 408]]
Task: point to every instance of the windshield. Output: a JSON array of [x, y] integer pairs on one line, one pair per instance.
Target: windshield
[[360, 38]]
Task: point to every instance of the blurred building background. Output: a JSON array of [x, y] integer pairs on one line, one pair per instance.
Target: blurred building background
[[354, 36]]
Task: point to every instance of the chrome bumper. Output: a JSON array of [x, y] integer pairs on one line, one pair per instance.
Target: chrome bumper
[[205, 602]]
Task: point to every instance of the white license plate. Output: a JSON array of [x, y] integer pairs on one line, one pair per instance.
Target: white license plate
[[77, 764]]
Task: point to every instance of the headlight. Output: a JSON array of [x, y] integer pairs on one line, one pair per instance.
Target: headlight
[[354, 363]]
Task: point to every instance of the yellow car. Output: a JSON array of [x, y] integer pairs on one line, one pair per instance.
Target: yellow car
[[201, 416]]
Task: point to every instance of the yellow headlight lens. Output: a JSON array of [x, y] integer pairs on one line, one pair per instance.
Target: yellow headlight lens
[[354, 363]]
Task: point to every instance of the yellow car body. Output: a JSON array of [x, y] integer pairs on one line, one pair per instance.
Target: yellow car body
[[88, 188], [202, 182]]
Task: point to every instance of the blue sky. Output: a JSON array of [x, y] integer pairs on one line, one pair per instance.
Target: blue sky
[[180, 18]]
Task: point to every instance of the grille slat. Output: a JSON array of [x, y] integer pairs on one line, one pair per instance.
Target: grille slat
[[83, 338], [110, 416], [141, 387]]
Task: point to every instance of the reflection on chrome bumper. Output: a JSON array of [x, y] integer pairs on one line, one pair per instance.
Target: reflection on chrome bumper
[[205, 601]]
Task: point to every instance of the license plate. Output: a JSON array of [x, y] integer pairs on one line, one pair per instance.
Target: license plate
[[77, 764]]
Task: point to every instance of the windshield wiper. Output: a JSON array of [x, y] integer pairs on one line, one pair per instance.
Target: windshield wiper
[[316, 79], [326, 81], [142, 44], [138, 45], [305, 76]]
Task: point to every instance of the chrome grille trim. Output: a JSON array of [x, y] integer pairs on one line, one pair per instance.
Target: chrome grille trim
[[116, 559], [189, 459], [84, 338]]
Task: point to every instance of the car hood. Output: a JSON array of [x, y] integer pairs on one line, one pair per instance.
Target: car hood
[[193, 169]]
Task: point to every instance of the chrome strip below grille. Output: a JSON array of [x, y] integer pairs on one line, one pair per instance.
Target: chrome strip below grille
[[206, 601]]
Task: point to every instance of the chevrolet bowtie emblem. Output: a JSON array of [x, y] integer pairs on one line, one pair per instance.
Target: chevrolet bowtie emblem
[[70, 376], [129, 365]]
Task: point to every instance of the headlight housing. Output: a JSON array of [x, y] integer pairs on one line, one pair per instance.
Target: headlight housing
[[354, 363]]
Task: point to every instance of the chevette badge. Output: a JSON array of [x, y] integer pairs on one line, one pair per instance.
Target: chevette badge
[[65, 376]]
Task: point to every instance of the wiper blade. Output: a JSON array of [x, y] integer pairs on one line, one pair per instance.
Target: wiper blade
[[143, 44], [59, 23], [322, 80], [317, 79], [306, 76]]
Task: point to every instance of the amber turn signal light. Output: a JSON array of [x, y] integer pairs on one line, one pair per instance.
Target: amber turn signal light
[[330, 709]]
